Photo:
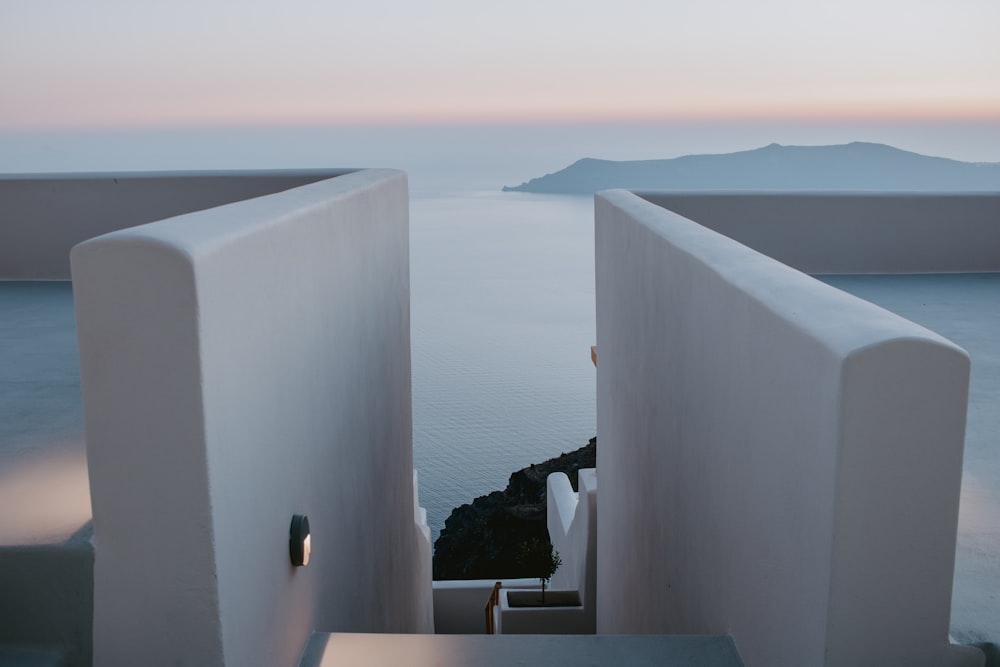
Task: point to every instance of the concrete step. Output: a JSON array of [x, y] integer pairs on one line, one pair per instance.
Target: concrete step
[[376, 650]]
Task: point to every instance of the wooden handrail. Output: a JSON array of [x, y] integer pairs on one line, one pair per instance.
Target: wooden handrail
[[492, 602]]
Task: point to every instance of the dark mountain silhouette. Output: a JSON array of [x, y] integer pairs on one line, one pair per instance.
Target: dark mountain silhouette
[[485, 539], [855, 166]]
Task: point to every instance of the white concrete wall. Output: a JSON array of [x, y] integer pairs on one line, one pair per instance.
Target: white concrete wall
[[459, 605], [241, 365], [875, 232], [518, 620], [424, 571], [572, 524], [42, 216], [779, 460]]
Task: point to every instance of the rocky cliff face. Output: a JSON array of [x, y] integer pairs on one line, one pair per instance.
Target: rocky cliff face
[[483, 540]]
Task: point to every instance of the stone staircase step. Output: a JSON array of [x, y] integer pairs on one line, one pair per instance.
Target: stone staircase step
[[375, 650]]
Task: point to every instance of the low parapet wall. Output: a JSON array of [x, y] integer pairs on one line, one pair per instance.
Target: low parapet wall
[[459, 605], [874, 232], [42, 216], [572, 524], [779, 460], [241, 365]]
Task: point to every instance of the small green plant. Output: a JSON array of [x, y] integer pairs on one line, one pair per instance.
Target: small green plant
[[540, 560]]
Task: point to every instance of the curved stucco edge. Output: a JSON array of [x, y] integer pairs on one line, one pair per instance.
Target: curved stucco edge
[[840, 321], [168, 295], [751, 302], [45, 215], [189, 236], [899, 473], [145, 445]]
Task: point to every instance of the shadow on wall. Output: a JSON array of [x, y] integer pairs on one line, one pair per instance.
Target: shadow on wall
[[48, 597], [46, 553]]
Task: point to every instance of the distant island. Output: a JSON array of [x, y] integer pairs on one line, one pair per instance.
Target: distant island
[[854, 166]]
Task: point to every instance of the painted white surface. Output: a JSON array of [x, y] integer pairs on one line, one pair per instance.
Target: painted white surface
[[963, 308], [512, 620], [460, 605], [572, 526], [779, 460], [42, 216], [424, 553], [873, 232], [572, 523], [241, 365]]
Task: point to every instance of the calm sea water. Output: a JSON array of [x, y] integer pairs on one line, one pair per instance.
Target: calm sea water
[[502, 294]]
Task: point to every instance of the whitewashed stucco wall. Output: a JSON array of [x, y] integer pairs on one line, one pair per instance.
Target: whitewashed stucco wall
[[863, 232], [459, 603], [42, 216], [779, 460], [572, 525], [241, 365]]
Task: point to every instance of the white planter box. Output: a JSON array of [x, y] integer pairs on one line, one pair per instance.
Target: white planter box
[[566, 619]]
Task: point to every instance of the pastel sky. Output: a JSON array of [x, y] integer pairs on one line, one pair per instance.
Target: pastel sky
[[114, 63]]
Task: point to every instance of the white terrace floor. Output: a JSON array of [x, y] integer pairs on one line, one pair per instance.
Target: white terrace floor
[[43, 480]]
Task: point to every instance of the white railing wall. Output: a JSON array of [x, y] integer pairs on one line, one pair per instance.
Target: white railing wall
[[240, 365], [42, 216], [425, 563], [572, 523], [779, 461], [460, 604], [864, 232]]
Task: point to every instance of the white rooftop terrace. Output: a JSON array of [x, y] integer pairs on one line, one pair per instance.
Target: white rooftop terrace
[[61, 434], [43, 459]]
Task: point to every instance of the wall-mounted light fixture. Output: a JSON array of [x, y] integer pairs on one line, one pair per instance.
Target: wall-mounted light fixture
[[298, 540]]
